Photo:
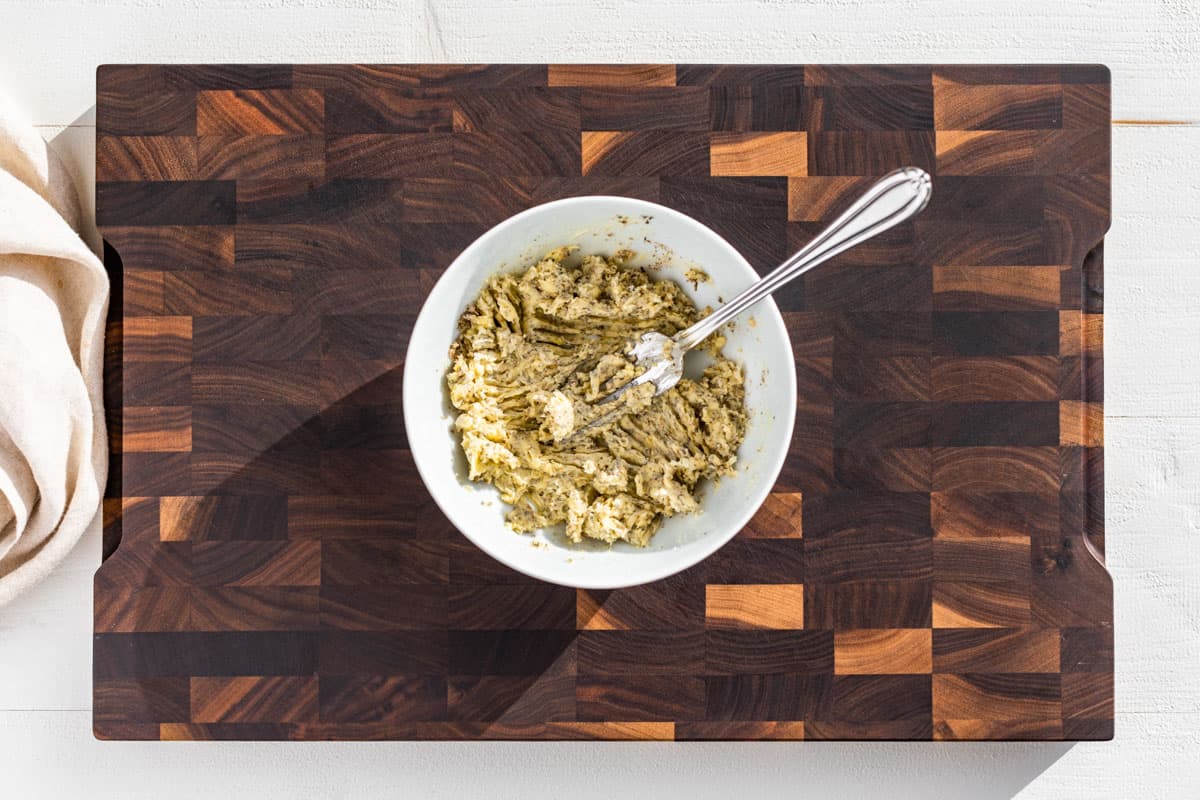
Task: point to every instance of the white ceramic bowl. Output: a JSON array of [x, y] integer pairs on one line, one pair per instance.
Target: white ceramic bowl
[[667, 243]]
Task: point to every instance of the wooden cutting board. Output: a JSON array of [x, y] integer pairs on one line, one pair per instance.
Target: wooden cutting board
[[928, 566]]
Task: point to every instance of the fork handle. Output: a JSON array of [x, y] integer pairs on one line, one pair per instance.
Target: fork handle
[[896, 197]]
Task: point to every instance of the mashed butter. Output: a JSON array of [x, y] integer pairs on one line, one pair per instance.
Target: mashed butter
[[537, 350]]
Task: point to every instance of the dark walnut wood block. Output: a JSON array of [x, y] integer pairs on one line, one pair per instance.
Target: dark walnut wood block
[[929, 565]]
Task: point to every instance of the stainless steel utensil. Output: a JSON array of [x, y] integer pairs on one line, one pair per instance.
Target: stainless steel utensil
[[895, 198]]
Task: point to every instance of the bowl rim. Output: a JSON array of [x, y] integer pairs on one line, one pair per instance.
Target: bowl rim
[[765, 308]]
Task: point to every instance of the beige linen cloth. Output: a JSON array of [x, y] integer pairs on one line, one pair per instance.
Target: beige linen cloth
[[53, 300]]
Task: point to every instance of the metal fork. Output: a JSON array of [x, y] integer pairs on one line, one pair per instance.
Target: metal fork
[[896, 197]]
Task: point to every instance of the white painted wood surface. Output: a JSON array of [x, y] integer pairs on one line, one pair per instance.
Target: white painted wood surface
[[48, 53]]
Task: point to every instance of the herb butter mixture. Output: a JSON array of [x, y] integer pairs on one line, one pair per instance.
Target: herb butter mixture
[[537, 350]]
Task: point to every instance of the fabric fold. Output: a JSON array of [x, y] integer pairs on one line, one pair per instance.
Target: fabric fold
[[53, 302]]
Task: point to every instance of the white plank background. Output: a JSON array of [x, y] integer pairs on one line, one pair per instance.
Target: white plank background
[[48, 53]]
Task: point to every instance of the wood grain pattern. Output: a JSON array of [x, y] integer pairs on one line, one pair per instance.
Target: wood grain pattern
[[643, 108], [388, 560], [877, 604], [157, 339], [952, 730], [259, 111], [964, 107], [1011, 516], [647, 652], [778, 606], [275, 569], [1080, 423], [644, 153], [257, 563], [148, 608], [158, 699], [255, 608], [253, 699], [224, 517], [980, 605], [156, 112], [427, 76], [375, 699], [631, 731], [672, 603], [388, 155], [172, 247], [156, 429], [739, 731], [329, 517], [175, 517], [970, 379], [769, 697], [1087, 695], [242, 157], [858, 698], [1080, 333], [513, 699], [817, 199], [147, 158], [1023, 152], [639, 697], [611, 75], [748, 560], [135, 518], [751, 652], [733, 154], [981, 560], [883, 652], [197, 293], [997, 697], [387, 111], [980, 288], [868, 152], [780, 516], [996, 469], [128, 570], [143, 293], [996, 650], [153, 203], [903, 729]]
